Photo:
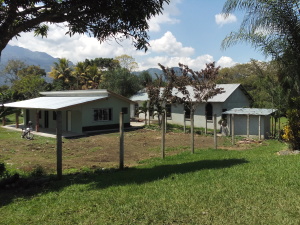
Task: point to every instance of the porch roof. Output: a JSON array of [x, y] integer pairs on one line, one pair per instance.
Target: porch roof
[[250, 111], [52, 103]]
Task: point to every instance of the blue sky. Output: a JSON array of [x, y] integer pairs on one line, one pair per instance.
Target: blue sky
[[188, 31]]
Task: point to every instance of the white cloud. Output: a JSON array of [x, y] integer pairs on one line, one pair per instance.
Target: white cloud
[[166, 16], [169, 45], [222, 19], [225, 61], [75, 48], [194, 63]]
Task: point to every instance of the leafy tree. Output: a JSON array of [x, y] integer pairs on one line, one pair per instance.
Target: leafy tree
[[6, 95], [192, 88], [30, 82], [121, 81], [103, 64], [127, 62], [11, 70], [255, 76], [144, 109], [62, 74], [79, 73], [158, 96], [100, 19], [274, 28], [145, 78]]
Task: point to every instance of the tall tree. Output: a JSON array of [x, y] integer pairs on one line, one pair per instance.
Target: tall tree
[[11, 70], [274, 28], [191, 88], [103, 64], [121, 81], [62, 74], [100, 19], [30, 82], [127, 62]]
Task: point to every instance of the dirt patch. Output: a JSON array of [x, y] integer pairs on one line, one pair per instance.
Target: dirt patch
[[288, 152], [99, 151]]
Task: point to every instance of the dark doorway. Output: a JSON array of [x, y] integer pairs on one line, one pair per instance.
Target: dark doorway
[[46, 115], [27, 117], [209, 111]]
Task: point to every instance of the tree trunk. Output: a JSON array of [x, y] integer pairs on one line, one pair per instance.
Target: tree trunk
[[121, 165], [59, 144], [163, 137], [215, 132], [192, 133], [184, 122]]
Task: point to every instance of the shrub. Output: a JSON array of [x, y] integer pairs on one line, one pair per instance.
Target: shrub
[[291, 132], [38, 171], [2, 169]]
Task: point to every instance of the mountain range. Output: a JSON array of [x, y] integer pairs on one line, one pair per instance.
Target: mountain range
[[42, 59]]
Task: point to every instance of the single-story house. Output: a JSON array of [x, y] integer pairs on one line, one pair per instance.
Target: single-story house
[[82, 110], [233, 96], [250, 122]]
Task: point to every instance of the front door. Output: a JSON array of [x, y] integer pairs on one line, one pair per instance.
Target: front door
[[69, 121], [46, 119]]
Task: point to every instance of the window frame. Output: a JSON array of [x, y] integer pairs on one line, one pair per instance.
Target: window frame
[[102, 114]]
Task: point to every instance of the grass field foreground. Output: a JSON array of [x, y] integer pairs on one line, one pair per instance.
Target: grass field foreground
[[254, 186]]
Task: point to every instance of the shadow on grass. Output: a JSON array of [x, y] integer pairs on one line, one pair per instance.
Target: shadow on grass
[[103, 179]]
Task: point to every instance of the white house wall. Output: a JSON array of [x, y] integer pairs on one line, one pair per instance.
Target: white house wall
[[236, 100], [112, 102], [240, 125], [83, 115]]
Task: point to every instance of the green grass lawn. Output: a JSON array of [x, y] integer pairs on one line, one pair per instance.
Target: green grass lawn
[[254, 186]]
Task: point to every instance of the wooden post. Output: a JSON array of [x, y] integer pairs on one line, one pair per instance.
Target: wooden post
[[37, 124], [272, 126], [205, 124], [184, 123], [121, 165], [215, 131], [279, 133], [248, 126], [17, 119], [192, 132], [59, 144], [232, 129], [259, 127], [166, 121], [3, 121], [275, 127], [163, 137]]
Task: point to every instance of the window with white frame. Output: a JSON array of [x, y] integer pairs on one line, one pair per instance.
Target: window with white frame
[[103, 114]]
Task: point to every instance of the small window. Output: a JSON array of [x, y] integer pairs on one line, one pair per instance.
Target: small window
[[54, 115], [102, 114], [124, 110], [169, 110]]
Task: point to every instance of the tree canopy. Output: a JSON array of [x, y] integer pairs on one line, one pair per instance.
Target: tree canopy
[[97, 18]]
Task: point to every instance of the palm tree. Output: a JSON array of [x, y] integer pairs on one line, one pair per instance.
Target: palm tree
[[80, 73], [61, 72]]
